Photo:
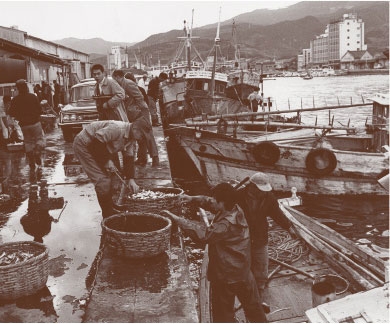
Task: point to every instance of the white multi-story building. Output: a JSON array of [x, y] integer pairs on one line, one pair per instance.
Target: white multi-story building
[[117, 59], [345, 34]]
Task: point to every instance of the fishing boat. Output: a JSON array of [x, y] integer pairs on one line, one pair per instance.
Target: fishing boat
[[327, 258], [208, 92], [316, 159]]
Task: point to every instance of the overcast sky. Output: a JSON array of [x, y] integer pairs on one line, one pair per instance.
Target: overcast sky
[[125, 21]]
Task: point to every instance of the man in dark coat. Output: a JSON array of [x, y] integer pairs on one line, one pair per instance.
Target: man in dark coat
[[229, 255], [153, 94], [26, 109]]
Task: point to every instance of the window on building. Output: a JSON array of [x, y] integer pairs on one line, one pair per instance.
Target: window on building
[[358, 42], [347, 44], [347, 23], [358, 35], [347, 37], [347, 30]]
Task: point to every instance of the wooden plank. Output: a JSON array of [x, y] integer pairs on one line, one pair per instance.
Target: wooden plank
[[277, 112], [299, 319], [329, 235], [268, 123], [331, 252], [294, 299]]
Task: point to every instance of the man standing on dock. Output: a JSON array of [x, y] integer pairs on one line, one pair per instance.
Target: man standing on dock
[[154, 94], [258, 202], [113, 108], [229, 255], [95, 146], [136, 108]]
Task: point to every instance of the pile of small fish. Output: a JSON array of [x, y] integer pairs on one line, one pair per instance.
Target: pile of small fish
[[149, 194], [14, 258]]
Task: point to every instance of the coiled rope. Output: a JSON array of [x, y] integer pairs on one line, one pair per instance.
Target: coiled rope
[[282, 247]]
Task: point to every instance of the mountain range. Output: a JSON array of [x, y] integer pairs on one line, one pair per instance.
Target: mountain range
[[93, 45], [262, 33]]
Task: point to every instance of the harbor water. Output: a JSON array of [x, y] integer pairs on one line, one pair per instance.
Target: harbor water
[[295, 93], [364, 219]]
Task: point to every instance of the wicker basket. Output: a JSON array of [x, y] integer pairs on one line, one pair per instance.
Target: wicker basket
[[172, 204], [24, 278], [137, 235]]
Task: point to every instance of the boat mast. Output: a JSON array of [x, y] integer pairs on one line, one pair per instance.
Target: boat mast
[[216, 46], [237, 57], [188, 42]]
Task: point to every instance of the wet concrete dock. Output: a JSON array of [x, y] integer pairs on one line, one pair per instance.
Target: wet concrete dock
[[86, 284]]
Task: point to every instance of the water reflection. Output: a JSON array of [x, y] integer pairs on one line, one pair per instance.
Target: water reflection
[[37, 222]]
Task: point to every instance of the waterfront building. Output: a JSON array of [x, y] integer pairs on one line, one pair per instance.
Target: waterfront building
[[117, 59], [319, 49], [357, 60], [345, 34], [304, 59], [36, 60], [300, 63]]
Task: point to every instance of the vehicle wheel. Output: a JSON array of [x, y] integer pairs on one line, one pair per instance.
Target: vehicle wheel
[[68, 134], [266, 153], [321, 161]]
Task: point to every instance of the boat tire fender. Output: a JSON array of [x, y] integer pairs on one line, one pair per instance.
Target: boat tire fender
[[325, 155], [267, 153]]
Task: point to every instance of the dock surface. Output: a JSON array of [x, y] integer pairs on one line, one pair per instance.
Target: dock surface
[[86, 282]]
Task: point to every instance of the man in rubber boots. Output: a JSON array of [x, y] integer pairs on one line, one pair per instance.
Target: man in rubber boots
[[95, 147], [258, 202], [229, 255]]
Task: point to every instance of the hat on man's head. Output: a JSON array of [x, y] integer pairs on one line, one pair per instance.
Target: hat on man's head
[[261, 180]]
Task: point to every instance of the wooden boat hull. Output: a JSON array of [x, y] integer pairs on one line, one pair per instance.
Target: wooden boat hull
[[222, 158]]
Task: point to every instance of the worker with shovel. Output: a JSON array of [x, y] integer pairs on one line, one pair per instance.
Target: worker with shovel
[[95, 146], [229, 256]]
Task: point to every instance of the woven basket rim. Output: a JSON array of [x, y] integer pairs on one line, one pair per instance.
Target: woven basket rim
[[136, 214], [156, 199], [31, 260]]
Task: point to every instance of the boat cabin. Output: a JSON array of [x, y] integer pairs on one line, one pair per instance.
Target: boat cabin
[[198, 83], [380, 121]]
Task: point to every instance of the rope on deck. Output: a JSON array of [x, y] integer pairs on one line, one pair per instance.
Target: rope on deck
[[282, 247]]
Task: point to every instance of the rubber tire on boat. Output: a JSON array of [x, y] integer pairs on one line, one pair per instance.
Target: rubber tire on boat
[[324, 154], [267, 153]]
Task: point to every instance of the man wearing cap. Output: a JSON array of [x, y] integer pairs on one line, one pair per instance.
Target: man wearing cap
[[95, 147], [258, 203], [25, 108]]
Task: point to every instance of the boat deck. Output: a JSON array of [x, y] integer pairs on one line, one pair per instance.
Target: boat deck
[[289, 294]]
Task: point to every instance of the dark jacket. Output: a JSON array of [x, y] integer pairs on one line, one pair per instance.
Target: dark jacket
[[229, 245], [154, 88], [257, 205], [26, 109]]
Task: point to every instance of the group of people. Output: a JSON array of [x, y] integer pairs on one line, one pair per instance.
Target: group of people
[[238, 245], [126, 115], [50, 93]]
